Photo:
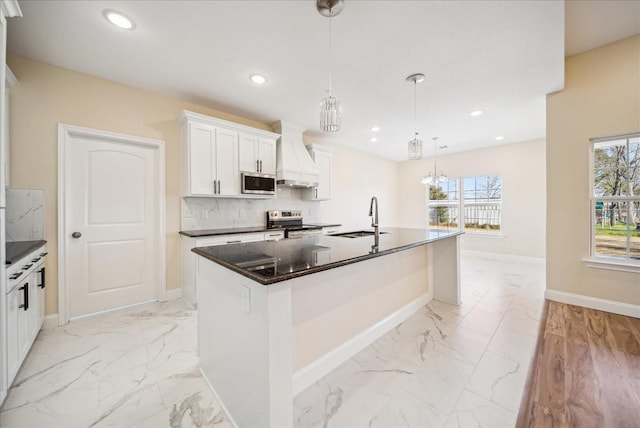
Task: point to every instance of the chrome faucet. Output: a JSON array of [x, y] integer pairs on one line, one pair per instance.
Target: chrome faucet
[[374, 220]]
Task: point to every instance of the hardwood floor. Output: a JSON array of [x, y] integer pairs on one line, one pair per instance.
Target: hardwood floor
[[585, 372]]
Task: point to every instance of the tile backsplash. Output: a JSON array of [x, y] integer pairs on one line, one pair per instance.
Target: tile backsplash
[[222, 213], [25, 215]]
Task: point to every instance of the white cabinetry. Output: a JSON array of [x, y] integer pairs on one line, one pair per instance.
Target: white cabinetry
[[257, 154], [323, 159], [25, 309], [215, 151], [210, 159], [189, 258], [330, 230]]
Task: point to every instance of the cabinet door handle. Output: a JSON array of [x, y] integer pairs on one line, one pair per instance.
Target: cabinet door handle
[[16, 275], [41, 278], [316, 193], [25, 291], [274, 234], [233, 242], [219, 187], [260, 166], [257, 165]]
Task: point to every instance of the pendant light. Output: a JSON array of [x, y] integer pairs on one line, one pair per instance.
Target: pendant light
[[415, 145], [330, 110], [435, 178]]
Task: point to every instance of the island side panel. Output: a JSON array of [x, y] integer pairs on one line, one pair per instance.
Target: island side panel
[[244, 343], [444, 264], [332, 307]]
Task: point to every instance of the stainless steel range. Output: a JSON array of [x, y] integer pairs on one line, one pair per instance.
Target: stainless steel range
[[291, 222]]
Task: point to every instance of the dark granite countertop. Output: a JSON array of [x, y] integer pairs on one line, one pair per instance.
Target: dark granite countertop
[[228, 231], [19, 249], [269, 262]]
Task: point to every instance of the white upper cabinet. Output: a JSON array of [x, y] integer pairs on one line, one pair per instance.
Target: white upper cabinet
[[323, 159], [226, 156], [215, 152], [257, 154], [212, 154]]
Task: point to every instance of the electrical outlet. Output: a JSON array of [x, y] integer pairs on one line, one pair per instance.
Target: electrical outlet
[[205, 213], [187, 213], [242, 213], [246, 299]]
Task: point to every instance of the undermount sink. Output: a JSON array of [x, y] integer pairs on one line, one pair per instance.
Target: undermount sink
[[356, 234]]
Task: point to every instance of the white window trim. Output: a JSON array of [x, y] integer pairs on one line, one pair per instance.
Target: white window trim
[[460, 205], [603, 261]]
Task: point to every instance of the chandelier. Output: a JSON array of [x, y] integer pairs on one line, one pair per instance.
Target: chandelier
[[330, 110], [435, 178], [415, 145]]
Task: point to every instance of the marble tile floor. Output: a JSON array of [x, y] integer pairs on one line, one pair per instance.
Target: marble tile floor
[[446, 366], [136, 367]]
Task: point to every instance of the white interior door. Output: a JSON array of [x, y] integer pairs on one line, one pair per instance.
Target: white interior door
[[111, 226]]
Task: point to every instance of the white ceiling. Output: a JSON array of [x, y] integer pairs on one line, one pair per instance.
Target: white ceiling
[[502, 57]]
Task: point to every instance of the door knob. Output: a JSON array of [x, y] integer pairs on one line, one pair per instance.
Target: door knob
[[76, 235]]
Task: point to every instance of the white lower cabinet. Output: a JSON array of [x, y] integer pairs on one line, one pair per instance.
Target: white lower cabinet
[[13, 347], [25, 313], [189, 258]]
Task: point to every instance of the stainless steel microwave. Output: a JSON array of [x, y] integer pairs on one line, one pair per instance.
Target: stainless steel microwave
[[258, 184]]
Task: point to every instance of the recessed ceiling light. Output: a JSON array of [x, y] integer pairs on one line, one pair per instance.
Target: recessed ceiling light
[[374, 139], [476, 113], [119, 20], [375, 128], [499, 138], [258, 79]]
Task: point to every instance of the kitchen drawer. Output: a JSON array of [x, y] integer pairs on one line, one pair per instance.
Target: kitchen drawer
[[229, 239], [274, 236], [330, 230]]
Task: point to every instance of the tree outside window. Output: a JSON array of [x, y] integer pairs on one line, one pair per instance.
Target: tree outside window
[[615, 198]]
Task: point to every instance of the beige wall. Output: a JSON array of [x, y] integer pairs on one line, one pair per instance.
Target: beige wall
[[48, 95], [522, 167], [601, 98], [357, 176]]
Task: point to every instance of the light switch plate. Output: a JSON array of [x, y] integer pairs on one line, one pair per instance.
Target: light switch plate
[[246, 299]]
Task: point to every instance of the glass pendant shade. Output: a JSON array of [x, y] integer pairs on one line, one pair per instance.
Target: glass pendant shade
[[415, 149], [330, 110], [330, 114], [428, 179], [415, 145]]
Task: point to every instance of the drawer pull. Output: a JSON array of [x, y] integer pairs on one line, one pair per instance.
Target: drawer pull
[[16, 275], [233, 242]]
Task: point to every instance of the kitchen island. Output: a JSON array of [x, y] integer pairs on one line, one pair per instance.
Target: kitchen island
[[274, 317]]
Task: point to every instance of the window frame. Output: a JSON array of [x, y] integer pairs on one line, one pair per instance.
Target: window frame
[[460, 205], [604, 261]]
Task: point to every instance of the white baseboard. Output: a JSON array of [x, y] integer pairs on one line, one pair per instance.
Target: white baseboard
[[594, 303], [311, 373], [50, 321], [504, 257], [176, 293]]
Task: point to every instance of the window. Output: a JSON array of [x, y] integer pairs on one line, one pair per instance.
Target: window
[[444, 204], [615, 199], [482, 203], [479, 210]]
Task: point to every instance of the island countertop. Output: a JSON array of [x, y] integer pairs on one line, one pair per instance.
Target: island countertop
[[270, 262]]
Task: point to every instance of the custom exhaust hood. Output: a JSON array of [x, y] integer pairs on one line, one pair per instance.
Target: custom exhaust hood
[[294, 166]]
